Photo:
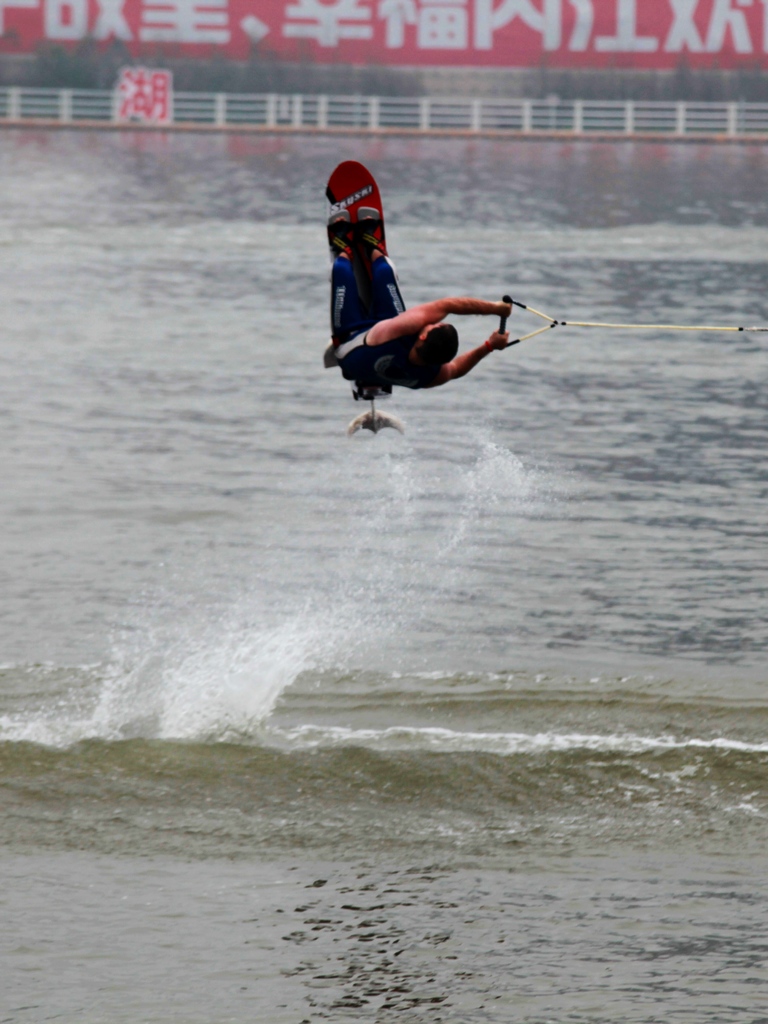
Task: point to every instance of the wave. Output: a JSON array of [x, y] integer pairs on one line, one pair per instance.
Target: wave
[[333, 789], [431, 738]]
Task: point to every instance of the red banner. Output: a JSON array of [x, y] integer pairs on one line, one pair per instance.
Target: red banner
[[483, 33]]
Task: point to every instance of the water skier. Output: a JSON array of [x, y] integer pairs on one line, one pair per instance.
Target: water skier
[[389, 345]]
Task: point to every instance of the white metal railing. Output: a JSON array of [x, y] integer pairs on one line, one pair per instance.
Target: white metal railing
[[377, 113]]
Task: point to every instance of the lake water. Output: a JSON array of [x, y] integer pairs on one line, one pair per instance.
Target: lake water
[[469, 724]]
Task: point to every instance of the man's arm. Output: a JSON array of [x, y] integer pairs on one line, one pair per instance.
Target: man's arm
[[413, 321], [461, 365]]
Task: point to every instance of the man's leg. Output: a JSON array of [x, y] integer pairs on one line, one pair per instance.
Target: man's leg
[[387, 300], [347, 314]]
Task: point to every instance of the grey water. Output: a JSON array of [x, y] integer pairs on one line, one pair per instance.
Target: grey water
[[468, 724]]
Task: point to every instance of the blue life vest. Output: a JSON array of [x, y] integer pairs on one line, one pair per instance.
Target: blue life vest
[[387, 364]]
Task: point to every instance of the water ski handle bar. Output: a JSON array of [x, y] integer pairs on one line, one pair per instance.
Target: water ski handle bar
[[503, 320], [503, 323]]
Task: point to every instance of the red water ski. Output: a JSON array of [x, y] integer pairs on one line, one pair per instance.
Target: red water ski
[[353, 188]]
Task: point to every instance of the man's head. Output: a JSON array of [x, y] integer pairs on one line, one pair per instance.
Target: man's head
[[437, 344]]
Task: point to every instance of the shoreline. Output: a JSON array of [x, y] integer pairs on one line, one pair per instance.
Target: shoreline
[[706, 138]]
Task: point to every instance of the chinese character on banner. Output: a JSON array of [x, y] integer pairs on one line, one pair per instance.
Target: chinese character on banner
[[397, 14], [443, 25], [545, 19], [145, 95], [185, 21], [440, 24], [327, 23]]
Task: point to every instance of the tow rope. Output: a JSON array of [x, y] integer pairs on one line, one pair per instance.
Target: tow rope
[[552, 322]]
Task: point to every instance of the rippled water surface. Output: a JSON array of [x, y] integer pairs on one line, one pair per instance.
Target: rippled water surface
[[505, 673]]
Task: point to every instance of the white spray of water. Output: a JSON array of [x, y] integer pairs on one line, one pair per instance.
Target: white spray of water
[[207, 676], [497, 483], [218, 681]]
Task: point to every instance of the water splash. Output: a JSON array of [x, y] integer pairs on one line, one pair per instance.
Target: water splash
[[218, 683], [498, 482], [208, 683], [197, 672]]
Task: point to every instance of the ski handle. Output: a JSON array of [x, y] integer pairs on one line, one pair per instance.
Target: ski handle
[[503, 320]]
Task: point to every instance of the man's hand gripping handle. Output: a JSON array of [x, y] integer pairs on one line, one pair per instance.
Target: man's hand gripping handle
[[503, 320], [500, 339]]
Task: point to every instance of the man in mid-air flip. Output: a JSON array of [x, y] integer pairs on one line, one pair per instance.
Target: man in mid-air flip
[[388, 345]]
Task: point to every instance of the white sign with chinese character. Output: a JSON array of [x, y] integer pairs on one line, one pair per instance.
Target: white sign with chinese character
[[145, 95]]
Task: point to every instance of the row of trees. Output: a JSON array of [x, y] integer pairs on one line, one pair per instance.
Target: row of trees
[[89, 66]]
